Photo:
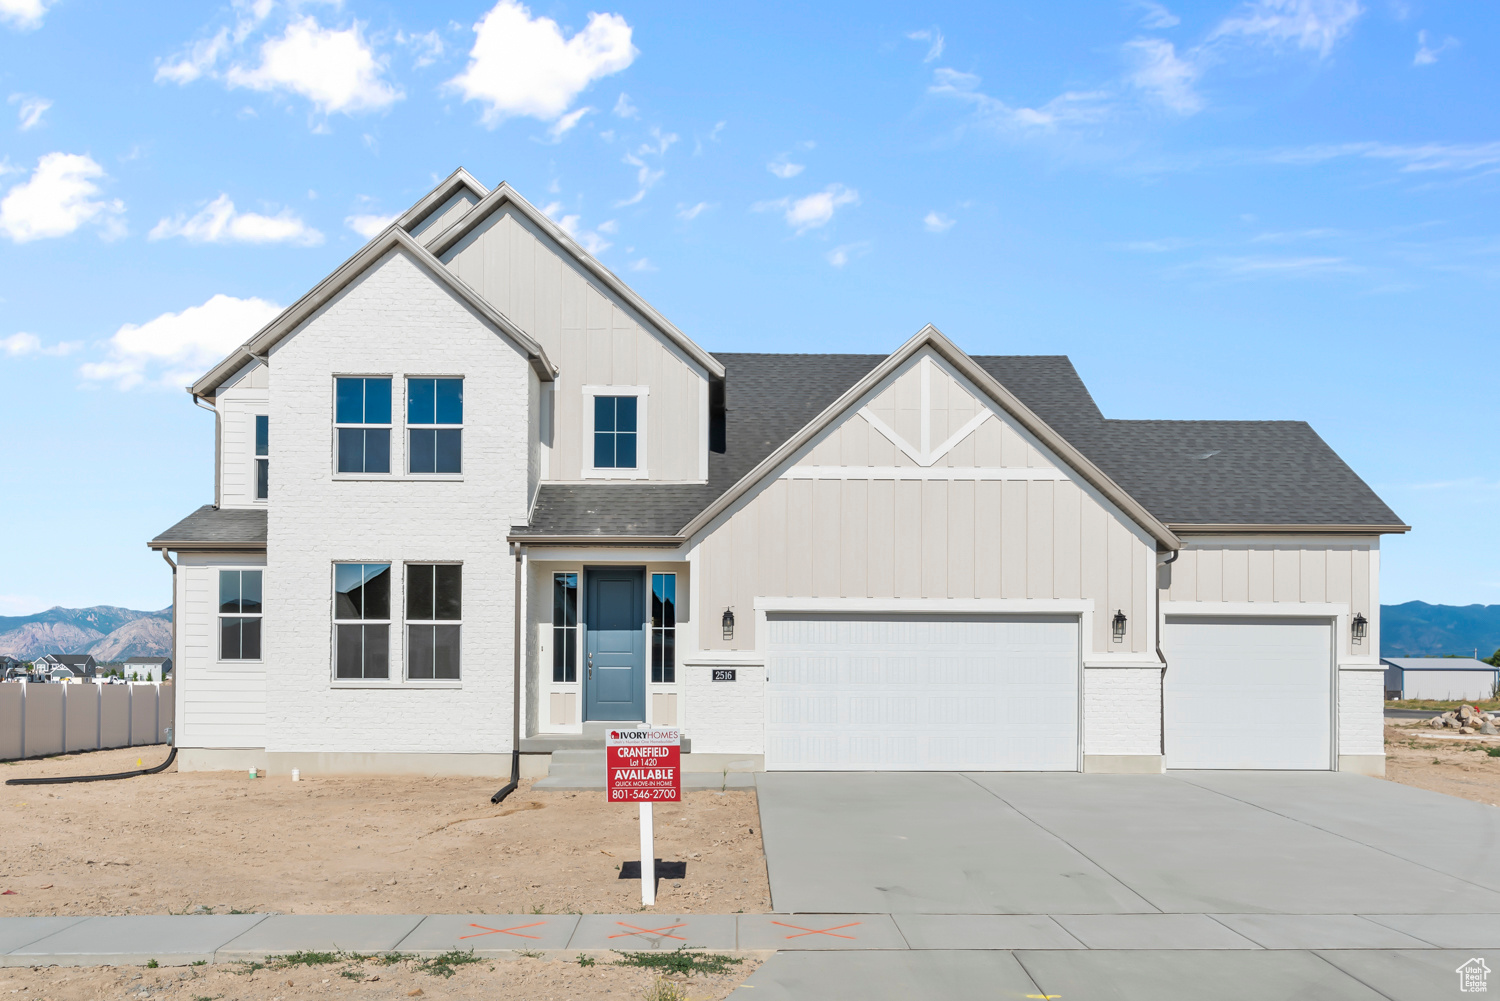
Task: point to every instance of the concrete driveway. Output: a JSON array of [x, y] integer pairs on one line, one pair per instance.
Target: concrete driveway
[[1188, 885]]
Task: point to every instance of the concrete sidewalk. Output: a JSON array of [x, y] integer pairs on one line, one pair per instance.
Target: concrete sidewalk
[[184, 939]]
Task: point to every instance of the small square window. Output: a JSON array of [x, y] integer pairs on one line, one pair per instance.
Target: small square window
[[615, 432]]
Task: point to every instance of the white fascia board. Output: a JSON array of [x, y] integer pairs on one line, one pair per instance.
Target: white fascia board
[[970, 606], [459, 180], [1213, 541], [543, 553]]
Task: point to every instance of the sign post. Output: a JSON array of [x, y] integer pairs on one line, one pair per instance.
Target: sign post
[[644, 766]]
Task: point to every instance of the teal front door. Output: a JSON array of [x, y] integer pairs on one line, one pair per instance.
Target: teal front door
[[615, 656]]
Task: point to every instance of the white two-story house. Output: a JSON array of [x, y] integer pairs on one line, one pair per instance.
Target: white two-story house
[[472, 494]]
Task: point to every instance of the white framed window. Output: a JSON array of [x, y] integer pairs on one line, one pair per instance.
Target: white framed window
[[434, 423], [262, 456], [664, 628], [240, 614], [564, 628], [614, 432], [434, 620], [362, 621], [362, 424]]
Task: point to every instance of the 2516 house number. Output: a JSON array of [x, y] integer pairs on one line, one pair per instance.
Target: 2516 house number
[[724, 674]]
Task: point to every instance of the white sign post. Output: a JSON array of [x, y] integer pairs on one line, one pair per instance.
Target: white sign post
[[644, 766]]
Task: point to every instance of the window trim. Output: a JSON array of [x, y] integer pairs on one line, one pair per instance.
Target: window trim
[[408, 427], [406, 623], [664, 630], [576, 627], [261, 460], [220, 616], [333, 456], [641, 471], [335, 622]]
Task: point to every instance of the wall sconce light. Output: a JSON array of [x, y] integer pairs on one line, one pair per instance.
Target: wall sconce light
[[728, 624], [1358, 627], [1117, 626]]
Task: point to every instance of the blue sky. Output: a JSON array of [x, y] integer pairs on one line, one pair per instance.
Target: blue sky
[[1256, 210]]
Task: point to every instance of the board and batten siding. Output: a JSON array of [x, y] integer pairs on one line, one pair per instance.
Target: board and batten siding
[[594, 339], [238, 402], [220, 704], [852, 516], [1274, 571]]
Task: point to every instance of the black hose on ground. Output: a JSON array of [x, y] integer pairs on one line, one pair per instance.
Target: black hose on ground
[[63, 779], [515, 777]]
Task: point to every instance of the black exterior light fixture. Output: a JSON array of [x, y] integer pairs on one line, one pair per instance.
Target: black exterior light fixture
[[729, 623], [1117, 626], [1358, 627]]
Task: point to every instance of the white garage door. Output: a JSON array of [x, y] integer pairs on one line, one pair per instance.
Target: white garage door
[[1248, 693], [864, 693]]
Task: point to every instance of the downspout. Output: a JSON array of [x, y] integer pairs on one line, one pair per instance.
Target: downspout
[[1162, 688], [515, 731], [218, 456]]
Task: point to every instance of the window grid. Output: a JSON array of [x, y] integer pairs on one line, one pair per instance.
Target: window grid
[[262, 452], [362, 419], [362, 621], [615, 432], [434, 617], [240, 614], [664, 628], [564, 628], [434, 420]]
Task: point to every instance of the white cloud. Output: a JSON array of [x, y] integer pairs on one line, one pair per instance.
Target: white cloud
[[1069, 108], [175, 348], [31, 109], [24, 13], [624, 108], [1427, 53], [200, 58], [784, 169], [687, 213], [1160, 72], [428, 46], [1156, 17], [20, 344], [934, 39], [522, 65], [1412, 159], [811, 211], [336, 70], [368, 226], [589, 239], [936, 222], [643, 265], [1277, 267], [565, 124], [842, 254], [60, 196], [219, 222], [645, 176], [1307, 24]]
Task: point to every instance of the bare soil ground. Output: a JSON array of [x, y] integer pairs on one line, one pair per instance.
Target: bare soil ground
[[175, 842], [1456, 766], [356, 980]]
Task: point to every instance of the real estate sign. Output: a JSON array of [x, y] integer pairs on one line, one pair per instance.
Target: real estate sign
[[643, 766]]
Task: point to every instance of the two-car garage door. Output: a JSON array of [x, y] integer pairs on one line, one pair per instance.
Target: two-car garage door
[[885, 692]]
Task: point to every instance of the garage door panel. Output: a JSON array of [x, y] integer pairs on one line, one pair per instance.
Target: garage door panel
[[861, 693], [1248, 693]]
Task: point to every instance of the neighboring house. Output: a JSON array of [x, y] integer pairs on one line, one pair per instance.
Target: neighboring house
[[488, 460], [1447, 679], [147, 668], [81, 664]]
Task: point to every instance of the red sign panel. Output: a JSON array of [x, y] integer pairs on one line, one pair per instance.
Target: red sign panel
[[643, 766]]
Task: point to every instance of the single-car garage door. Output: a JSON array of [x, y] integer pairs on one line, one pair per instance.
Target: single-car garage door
[[867, 693], [1248, 693]]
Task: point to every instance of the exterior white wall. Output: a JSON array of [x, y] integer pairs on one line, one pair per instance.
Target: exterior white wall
[[1121, 710], [1361, 711], [238, 402], [395, 320], [1447, 686], [724, 717], [220, 704]]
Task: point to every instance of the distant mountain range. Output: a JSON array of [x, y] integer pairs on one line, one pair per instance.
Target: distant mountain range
[[1417, 629], [107, 632]]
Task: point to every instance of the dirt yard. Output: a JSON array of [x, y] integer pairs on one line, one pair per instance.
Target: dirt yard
[[369, 845], [354, 980], [1456, 766]]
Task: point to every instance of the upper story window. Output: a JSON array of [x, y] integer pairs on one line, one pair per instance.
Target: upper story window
[[362, 412], [434, 614], [615, 432], [434, 420], [239, 614], [362, 619], [262, 453]]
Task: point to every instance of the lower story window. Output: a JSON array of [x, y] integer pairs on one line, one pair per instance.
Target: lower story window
[[434, 613], [664, 627], [564, 627], [239, 614], [362, 620]]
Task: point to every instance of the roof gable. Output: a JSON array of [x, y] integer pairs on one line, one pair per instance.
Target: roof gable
[[438, 209]]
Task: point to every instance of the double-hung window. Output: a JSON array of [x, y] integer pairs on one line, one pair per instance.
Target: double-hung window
[[362, 413], [615, 432], [434, 420], [434, 614], [262, 456], [239, 614], [564, 627], [362, 620], [664, 627]]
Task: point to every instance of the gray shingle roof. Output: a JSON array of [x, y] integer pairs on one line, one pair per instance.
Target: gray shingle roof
[[216, 528]]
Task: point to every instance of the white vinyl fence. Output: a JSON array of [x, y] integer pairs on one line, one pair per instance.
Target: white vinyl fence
[[38, 720]]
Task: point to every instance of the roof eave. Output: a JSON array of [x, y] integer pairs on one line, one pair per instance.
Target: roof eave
[[445, 190], [653, 541], [168, 545], [504, 194], [1282, 528]]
